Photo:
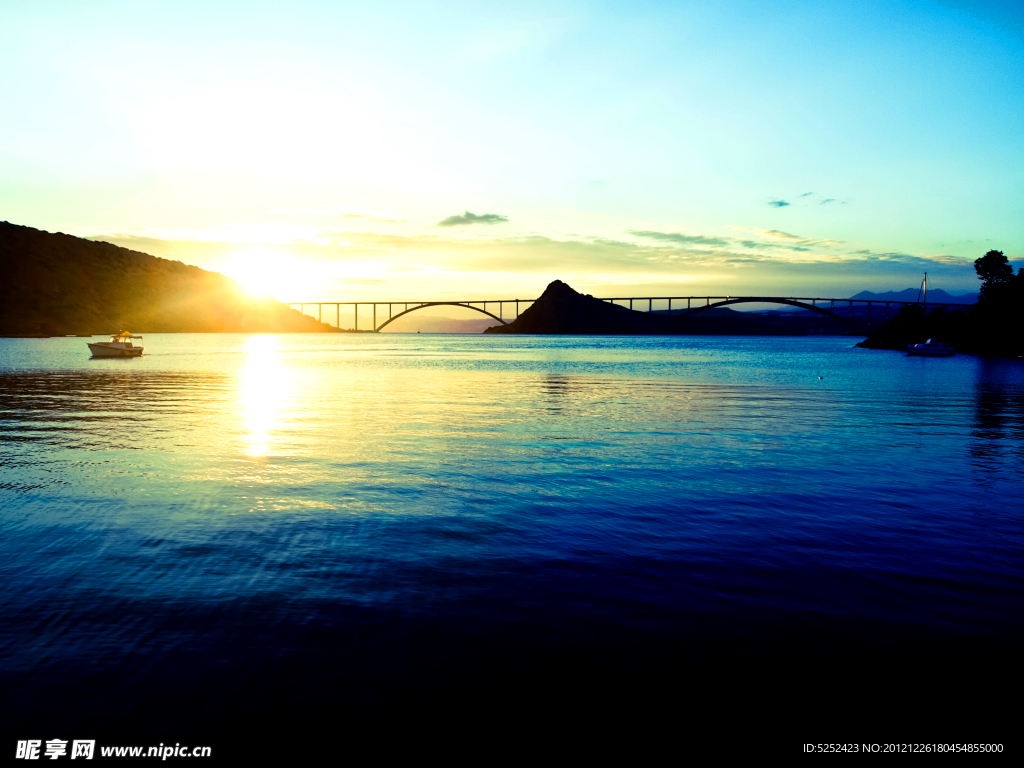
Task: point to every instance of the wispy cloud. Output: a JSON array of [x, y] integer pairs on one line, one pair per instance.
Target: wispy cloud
[[678, 237], [801, 201], [796, 241], [779, 234], [462, 220], [771, 240]]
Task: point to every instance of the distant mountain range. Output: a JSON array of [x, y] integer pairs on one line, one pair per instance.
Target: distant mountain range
[[423, 322], [937, 295]]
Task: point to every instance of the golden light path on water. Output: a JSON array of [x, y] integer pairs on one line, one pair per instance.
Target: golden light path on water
[[263, 392]]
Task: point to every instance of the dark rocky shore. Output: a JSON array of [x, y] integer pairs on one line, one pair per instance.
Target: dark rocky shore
[[993, 326]]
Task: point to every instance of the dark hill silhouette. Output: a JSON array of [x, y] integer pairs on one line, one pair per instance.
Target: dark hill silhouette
[[57, 284], [562, 310]]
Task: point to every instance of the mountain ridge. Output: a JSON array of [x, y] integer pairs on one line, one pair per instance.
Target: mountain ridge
[[57, 284], [936, 295]]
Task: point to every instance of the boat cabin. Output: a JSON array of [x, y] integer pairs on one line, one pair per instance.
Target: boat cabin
[[125, 338]]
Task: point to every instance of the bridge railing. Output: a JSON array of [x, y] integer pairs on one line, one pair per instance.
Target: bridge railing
[[403, 307], [673, 304]]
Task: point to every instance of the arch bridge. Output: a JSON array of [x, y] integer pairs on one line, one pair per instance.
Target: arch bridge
[[667, 305]]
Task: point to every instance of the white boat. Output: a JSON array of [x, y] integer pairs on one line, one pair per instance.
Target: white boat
[[930, 348], [120, 345]]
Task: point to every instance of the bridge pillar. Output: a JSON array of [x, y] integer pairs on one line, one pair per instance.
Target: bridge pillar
[[357, 316]]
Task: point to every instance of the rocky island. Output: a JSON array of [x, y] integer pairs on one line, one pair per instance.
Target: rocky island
[[563, 310]]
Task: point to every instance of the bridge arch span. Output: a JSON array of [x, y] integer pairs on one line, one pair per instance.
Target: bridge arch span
[[437, 304], [772, 300]]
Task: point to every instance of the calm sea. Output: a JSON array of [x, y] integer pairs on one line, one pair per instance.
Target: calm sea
[[303, 540]]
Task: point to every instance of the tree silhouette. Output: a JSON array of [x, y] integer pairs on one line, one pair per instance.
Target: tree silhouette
[[993, 326], [993, 269]]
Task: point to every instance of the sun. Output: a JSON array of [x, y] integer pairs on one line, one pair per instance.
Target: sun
[[265, 273]]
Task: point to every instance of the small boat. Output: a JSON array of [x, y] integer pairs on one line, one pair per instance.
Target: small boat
[[930, 348], [120, 345]]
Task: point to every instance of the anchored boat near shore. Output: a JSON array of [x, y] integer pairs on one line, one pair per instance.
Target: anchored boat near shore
[[930, 348], [120, 345]]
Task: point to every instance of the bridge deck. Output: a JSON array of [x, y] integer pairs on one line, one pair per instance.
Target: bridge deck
[[707, 302]]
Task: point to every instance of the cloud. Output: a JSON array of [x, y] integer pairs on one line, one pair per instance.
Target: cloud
[[796, 242], [778, 233], [789, 242], [472, 218], [677, 237], [777, 203], [827, 200], [806, 194]]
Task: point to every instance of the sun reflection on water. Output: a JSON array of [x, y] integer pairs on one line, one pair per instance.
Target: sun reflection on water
[[263, 393]]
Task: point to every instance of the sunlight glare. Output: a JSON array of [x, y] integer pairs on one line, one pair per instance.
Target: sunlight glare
[[263, 391], [264, 273]]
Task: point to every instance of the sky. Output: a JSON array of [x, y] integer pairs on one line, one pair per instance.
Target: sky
[[337, 151]]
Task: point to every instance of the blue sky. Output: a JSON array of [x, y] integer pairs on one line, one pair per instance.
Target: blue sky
[[313, 149]]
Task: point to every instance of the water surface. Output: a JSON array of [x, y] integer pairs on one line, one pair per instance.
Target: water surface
[[233, 527]]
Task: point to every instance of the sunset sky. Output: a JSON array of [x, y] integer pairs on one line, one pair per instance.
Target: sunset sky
[[339, 151]]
